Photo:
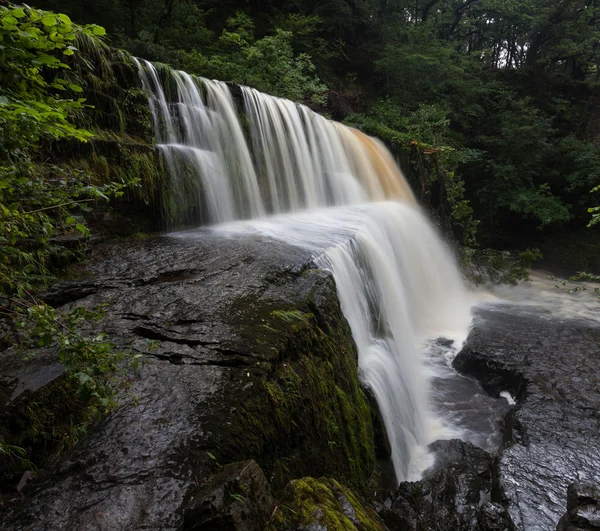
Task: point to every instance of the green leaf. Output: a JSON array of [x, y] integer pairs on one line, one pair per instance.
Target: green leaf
[[83, 229], [75, 88], [49, 20], [98, 30], [34, 15], [68, 51], [18, 12], [64, 18], [47, 59]]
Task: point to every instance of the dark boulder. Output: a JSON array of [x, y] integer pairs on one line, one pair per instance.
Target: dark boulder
[[454, 494], [493, 517], [236, 498]]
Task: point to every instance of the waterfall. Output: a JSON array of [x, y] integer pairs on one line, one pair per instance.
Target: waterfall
[[296, 159], [282, 170], [398, 286]]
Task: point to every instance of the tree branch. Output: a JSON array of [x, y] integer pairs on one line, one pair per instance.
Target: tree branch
[[61, 205]]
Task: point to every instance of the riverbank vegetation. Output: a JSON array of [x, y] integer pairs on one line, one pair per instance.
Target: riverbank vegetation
[[43, 227]]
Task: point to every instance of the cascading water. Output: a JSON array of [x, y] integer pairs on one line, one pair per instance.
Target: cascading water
[[337, 192], [397, 286], [296, 159]]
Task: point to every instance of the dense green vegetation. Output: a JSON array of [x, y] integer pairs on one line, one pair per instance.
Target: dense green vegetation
[[42, 223], [488, 101]]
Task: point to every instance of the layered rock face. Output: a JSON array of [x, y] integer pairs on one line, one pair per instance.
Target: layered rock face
[[549, 365], [247, 355]]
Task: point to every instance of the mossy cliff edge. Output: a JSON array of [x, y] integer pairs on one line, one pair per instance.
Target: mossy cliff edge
[[247, 356], [247, 352]]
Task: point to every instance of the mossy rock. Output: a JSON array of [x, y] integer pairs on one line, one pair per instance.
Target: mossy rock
[[309, 414], [123, 149], [236, 498], [248, 356], [323, 503]]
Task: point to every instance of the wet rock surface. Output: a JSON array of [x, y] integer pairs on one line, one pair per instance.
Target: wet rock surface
[[248, 356], [224, 324], [551, 436], [583, 508], [236, 498], [457, 493]]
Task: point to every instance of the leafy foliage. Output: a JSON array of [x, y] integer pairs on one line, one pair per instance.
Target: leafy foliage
[[490, 266], [268, 64], [583, 279], [35, 46], [37, 200], [42, 205], [594, 211]]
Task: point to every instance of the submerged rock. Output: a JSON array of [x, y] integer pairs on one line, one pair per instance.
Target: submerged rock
[[248, 356], [550, 365]]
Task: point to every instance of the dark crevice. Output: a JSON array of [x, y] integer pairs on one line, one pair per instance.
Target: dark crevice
[[182, 359], [69, 294], [134, 317], [175, 276], [148, 333]]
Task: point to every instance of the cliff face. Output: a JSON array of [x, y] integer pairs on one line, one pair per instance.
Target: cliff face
[[122, 150], [247, 355]]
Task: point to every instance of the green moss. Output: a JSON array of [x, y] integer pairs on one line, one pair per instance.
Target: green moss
[[123, 149], [291, 316], [326, 503], [309, 414]]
